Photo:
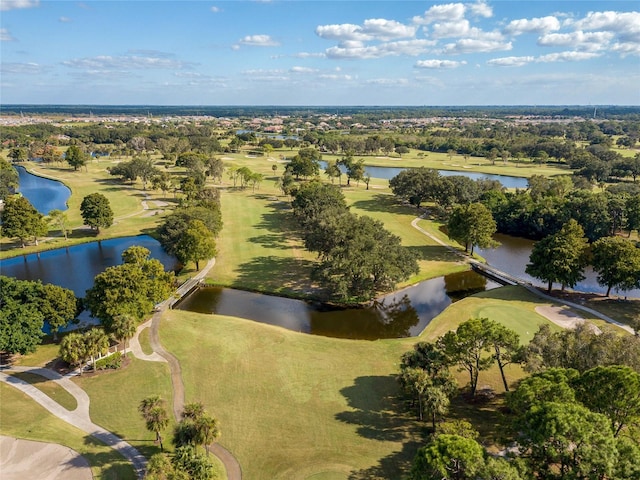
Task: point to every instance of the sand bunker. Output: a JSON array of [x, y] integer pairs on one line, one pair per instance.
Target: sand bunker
[[22, 459]]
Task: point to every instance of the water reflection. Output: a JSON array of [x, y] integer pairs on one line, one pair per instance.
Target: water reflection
[[401, 314], [44, 194]]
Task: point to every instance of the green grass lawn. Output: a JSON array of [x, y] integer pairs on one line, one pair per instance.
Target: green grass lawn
[[332, 402], [49, 388], [21, 417], [115, 396], [125, 201]]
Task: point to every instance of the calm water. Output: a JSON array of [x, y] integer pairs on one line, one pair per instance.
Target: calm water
[[75, 267], [512, 257], [44, 194], [387, 173], [401, 314]]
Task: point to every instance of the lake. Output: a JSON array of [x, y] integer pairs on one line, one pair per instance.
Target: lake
[[387, 173], [43, 193], [512, 257]]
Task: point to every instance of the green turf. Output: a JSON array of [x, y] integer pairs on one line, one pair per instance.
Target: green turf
[[21, 417], [49, 388], [116, 394]]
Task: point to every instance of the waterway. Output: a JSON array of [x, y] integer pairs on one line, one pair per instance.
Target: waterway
[[387, 173], [43, 193], [512, 257], [401, 314]]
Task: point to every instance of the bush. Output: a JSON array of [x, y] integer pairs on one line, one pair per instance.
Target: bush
[[111, 362]]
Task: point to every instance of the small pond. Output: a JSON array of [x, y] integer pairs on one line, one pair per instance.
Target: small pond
[[387, 173], [401, 314], [43, 193], [512, 257]]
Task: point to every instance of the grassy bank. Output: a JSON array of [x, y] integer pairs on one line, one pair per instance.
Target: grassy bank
[[299, 406]]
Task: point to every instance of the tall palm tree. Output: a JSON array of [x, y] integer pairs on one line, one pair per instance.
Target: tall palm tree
[[155, 416], [123, 328]]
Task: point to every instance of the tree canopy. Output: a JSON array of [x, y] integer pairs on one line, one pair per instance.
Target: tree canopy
[[96, 211], [21, 220]]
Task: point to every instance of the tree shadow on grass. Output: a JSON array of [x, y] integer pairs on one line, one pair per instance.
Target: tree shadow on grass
[[385, 203], [380, 414], [434, 253], [277, 274]]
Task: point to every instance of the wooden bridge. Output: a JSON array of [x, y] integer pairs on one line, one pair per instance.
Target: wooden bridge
[[499, 276]]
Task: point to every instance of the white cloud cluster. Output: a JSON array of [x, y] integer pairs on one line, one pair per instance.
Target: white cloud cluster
[[590, 41], [358, 50], [533, 25], [436, 64], [5, 35], [371, 29], [127, 62], [28, 68], [257, 41], [6, 5], [566, 56]]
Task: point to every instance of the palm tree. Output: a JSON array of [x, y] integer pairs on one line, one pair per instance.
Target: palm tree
[[207, 430], [155, 415], [123, 328], [97, 342]]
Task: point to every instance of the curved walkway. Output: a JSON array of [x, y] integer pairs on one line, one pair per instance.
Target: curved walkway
[[79, 417], [234, 472], [523, 283]]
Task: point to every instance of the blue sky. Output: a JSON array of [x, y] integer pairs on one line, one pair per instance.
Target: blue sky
[[301, 52]]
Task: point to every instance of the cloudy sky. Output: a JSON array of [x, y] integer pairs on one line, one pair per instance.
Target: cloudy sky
[[299, 52]]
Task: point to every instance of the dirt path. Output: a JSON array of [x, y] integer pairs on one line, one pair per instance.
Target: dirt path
[[234, 471]]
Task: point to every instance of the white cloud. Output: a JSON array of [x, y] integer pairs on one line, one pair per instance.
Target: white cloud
[[16, 4], [309, 55], [258, 41], [626, 48], [126, 62], [372, 29], [335, 76], [533, 25], [449, 12], [5, 35], [342, 32], [388, 29], [473, 45], [480, 9], [215, 9], [511, 61], [450, 29], [64, 20], [22, 68], [590, 41], [297, 69], [570, 56], [355, 50], [388, 82], [433, 64], [621, 22]]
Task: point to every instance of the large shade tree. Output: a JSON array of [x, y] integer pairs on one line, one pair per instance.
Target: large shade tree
[[472, 225], [21, 220], [96, 211], [560, 257], [132, 288], [617, 262]]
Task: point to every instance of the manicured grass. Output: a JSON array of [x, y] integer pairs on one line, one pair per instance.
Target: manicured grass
[[295, 406], [125, 201], [44, 355], [145, 341], [49, 388], [116, 394], [513, 307], [21, 417], [332, 402]]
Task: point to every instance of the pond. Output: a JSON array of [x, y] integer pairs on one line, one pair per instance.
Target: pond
[[512, 257], [387, 173], [75, 267], [43, 193], [401, 314]]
